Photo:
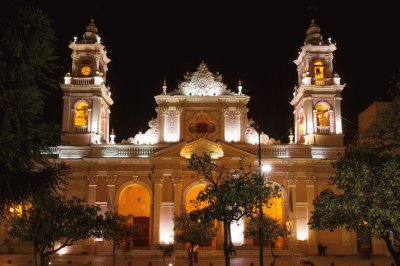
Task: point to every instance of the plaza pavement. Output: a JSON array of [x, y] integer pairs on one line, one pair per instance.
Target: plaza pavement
[[204, 260]]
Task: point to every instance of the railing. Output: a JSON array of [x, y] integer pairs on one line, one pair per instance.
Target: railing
[[131, 151], [322, 82], [279, 151], [81, 129], [323, 130], [82, 81], [125, 151]]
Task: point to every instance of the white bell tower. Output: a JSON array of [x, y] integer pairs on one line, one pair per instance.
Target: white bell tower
[[317, 99], [87, 99]]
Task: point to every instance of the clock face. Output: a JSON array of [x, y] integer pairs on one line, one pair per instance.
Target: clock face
[[85, 70]]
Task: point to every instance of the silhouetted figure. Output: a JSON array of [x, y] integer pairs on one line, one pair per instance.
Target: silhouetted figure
[[321, 250]]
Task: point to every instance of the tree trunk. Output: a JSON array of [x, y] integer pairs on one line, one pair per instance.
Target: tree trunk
[[273, 254], [114, 246], [390, 248], [35, 253], [44, 260], [226, 244]]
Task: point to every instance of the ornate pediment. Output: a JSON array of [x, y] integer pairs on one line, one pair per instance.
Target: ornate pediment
[[202, 83], [201, 146]]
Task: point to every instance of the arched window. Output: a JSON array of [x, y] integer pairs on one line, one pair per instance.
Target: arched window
[[81, 114], [318, 70], [322, 113]]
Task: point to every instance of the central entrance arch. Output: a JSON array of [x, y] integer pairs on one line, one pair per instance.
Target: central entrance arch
[[135, 199], [275, 210]]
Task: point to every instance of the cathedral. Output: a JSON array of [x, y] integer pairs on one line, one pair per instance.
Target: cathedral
[[146, 175]]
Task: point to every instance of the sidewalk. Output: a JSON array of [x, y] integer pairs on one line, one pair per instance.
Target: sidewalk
[[58, 260]]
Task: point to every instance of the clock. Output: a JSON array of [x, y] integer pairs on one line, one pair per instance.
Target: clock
[[86, 70]]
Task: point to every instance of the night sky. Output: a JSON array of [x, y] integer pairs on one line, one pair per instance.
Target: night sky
[[254, 42]]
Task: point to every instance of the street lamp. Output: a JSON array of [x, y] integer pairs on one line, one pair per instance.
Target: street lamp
[[260, 182]]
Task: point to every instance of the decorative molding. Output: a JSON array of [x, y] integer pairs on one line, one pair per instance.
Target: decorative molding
[[92, 180], [310, 180], [177, 180], [151, 136], [135, 178], [202, 83], [202, 126], [291, 180], [200, 146], [157, 180], [111, 179]]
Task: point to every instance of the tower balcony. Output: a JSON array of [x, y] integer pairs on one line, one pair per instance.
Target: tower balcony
[[323, 130], [82, 81], [81, 129], [322, 81]]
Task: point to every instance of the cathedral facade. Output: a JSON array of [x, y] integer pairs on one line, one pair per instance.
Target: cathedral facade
[[147, 175]]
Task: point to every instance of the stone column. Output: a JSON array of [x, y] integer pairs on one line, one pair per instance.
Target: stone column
[[111, 179], [177, 181], [291, 181], [310, 190], [92, 187], [157, 201]]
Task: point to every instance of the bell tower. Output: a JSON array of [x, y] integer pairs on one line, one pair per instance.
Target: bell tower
[[317, 98], [87, 99]]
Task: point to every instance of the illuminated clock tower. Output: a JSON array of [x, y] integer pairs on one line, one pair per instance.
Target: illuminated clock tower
[[87, 99], [317, 98]]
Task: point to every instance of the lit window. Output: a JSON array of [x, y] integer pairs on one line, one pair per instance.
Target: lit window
[[322, 114], [318, 70], [81, 114]]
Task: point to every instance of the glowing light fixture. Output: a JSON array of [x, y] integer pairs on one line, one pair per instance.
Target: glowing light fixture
[[266, 168]]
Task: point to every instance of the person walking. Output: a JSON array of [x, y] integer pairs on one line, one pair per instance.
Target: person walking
[[196, 252]]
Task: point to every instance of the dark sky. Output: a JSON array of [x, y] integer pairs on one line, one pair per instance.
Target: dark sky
[[256, 42]]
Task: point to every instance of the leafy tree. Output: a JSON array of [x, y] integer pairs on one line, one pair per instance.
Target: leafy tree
[[367, 196], [194, 232], [384, 132], [27, 61], [229, 195], [270, 228], [51, 218], [117, 228]]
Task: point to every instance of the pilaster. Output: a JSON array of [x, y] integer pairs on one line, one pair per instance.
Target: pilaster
[[92, 187], [177, 181], [111, 180], [291, 182], [157, 201], [310, 190]]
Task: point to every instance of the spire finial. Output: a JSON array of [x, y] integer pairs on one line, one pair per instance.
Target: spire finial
[[91, 27], [313, 34], [164, 87], [291, 136], [112, 137], [240, 87]]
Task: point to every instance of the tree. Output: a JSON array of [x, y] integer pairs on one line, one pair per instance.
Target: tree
[[384, 132], [270, 228], [117, 228], [27, 61], [229, 195], [366, 197], [194, 232], [51, 218]]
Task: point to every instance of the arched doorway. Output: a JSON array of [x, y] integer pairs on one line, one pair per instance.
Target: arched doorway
[[275, 210], [191, 204], [134, 200]]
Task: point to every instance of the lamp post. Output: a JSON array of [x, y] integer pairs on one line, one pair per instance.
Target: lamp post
[[260, 201]]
